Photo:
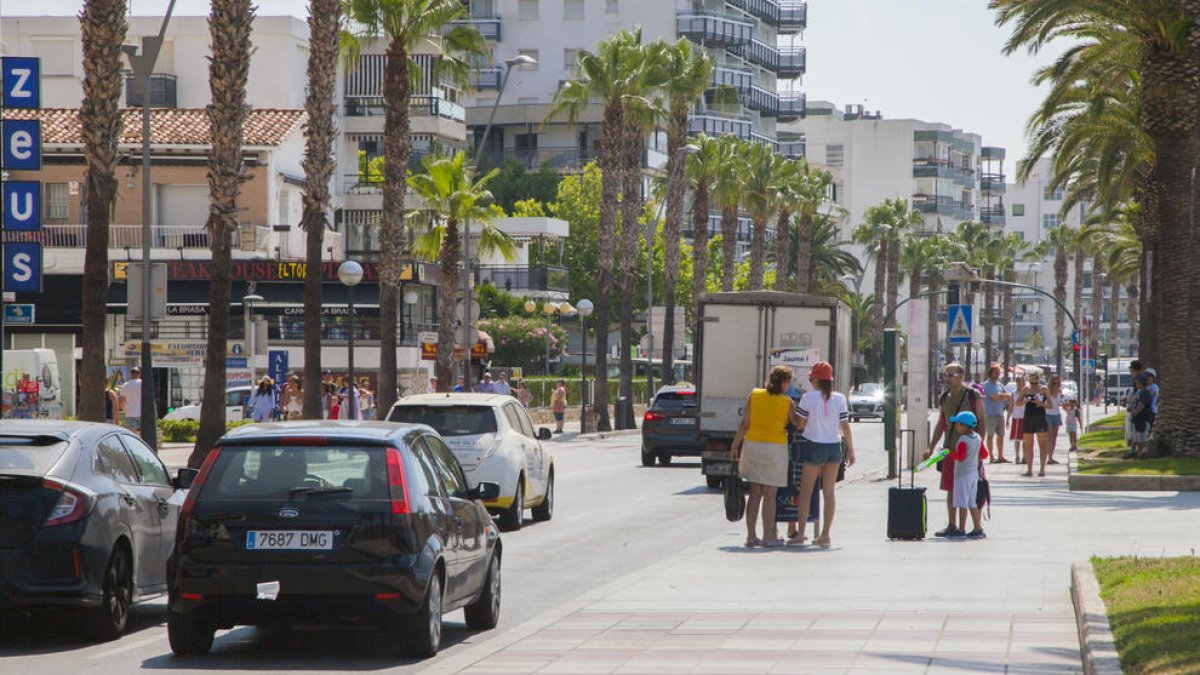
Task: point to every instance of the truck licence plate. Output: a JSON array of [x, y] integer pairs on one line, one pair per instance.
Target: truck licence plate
[[289, 540]]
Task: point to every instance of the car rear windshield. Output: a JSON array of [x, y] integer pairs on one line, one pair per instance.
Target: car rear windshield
[[33, 455], [448, 420], [273, 472], [675, 400]]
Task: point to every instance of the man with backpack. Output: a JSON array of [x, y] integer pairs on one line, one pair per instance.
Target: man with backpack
[[957, 397]]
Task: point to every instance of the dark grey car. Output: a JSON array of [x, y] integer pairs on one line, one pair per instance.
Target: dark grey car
[[669, 426], [87, 519]]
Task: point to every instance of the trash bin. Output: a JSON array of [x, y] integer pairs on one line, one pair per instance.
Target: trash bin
[[621, 421]]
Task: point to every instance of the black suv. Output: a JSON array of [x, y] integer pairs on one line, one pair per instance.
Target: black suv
[[328, 521], [669, 425]]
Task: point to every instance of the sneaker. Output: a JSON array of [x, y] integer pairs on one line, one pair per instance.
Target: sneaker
[[976, 534], [950, 531], [956, 534]]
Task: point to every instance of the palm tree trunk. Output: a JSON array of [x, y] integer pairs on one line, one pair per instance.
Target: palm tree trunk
[[989, 322], [782, 237], [804, 263], [1006, 323], [610, 186], [1060, 292], [893, 280], [1131, 313], [881, 267], [671, 237], [449, 259], [1094, 331], [397, 150], [699, 250], [631, 211], [1146, 338], [1077, 302], [103, 27], [1114, 302], [324, 27], [758, 252], [729, 226], [230, 26]]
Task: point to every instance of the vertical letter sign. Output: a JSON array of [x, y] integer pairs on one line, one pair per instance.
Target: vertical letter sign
[[21, 150]]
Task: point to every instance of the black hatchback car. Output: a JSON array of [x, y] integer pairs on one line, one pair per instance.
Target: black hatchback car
[[320, 522], [669, 426], [87, 520]]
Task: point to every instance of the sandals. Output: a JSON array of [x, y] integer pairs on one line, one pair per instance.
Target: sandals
[[1052, 461], [1003, 461], [796, 539], [823, 542], [1042, 473], [1027, 473], [751, 542]]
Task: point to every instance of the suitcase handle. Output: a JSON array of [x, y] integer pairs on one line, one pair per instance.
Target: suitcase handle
[[912, 472]]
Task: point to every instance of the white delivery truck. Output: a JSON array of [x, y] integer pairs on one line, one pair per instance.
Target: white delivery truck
[[32, 388], [740, 337]]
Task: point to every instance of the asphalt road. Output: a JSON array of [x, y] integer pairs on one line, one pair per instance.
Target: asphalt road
[[613, 517]]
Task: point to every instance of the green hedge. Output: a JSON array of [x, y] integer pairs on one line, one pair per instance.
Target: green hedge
[[184, 431]]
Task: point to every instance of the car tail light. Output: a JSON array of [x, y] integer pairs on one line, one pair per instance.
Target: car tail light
[[189, 504], [72, 505], [652, 416], [192, 596], [397, 482], [388, 596]]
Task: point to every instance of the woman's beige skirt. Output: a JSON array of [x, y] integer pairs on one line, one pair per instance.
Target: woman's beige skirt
[[764, 463]]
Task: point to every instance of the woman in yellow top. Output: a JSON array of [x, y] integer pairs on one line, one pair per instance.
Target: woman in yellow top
[[761, 445]]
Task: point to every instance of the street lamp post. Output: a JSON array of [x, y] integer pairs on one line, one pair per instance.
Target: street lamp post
[[520, 60], [143, 66], [549, 309], [856, 279], [248, 302], [680, 158], [350, 273], [585, 308]]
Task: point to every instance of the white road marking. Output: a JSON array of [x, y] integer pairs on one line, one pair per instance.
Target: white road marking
[[128, 647]]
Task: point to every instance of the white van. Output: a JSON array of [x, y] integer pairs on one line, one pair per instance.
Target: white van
[[32, 388]]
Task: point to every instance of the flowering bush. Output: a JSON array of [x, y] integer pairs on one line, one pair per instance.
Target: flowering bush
[[521, 341]]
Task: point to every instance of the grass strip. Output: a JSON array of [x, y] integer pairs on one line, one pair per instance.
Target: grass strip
[[1154, 609]]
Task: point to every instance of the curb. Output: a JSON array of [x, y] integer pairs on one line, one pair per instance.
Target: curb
[[601, 435], [1096, 646], [1080, 482]]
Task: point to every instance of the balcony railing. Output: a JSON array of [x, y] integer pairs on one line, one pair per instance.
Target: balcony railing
[[992, 215], [488, 26], [788, 16], [119, 236], [486, 78], [942, 205], [719, 125], [765, 102], [510, 278], [423, 106], [563, 159], [792, 107], [740, 79], [162, 91], [787, 62], [792, 149], [992, 182], [711, 28]]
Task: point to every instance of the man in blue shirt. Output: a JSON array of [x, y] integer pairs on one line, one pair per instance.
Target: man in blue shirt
[[461, 385], [995, 402], [487, 386]]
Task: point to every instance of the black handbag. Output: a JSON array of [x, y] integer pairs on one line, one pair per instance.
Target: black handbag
[[735, 496], [983, 496]]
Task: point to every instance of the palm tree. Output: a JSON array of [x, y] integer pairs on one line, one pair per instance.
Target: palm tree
[[786, 177], [1166, 58], [994, 253], [1016, 250], [324, 29], [406, 25], [904, 221], [686, 76], [700, 172], [760, 204], [728, 193], [1062, 240], [807, 193], [453, 196], [872, 236], [973, 236], [830, 258], [609, 76], [1124, 266], [230, 27], [102, 28]]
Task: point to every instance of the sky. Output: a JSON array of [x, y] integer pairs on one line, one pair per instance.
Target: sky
[[934, 60]]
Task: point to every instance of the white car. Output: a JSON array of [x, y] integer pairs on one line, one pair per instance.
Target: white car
[[494, 440], [236, 399]]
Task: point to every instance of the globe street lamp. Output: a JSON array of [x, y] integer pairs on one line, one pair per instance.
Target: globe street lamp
[[350, 273], [585, 308]]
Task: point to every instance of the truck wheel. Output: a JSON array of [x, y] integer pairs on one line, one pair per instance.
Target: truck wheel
[[714, 482]]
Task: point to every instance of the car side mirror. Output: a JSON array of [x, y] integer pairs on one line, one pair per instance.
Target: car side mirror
[[544, 434], [486, 491], [184, 478]]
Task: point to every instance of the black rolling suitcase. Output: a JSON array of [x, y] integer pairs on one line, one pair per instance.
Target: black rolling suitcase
[[906, 505]]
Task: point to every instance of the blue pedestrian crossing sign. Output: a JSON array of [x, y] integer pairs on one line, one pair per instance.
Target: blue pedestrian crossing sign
[[958, 322]]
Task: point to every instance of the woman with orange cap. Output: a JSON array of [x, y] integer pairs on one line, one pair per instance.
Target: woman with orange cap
[[825, 423]]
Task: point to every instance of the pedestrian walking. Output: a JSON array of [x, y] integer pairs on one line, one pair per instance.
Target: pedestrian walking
[[1035, 397], [263, 401], [1016, 415], [486, 385], [957, 398], [293, 398], [995, 403], [1053, 414], [131, 400], [968, 455], [558, 405], [367, 398], [112, 404], [825, 423], [1070, 410], [502, 386], [760, 448], [523, 394]]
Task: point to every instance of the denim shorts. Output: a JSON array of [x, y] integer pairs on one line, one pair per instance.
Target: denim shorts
[[819, 454], [1054, 419]]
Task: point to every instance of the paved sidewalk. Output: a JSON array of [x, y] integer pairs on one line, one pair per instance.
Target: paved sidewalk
[[867, 604]]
